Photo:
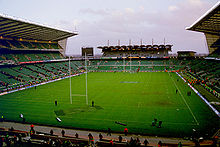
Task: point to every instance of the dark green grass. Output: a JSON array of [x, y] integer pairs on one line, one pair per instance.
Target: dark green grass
[[134, 99]]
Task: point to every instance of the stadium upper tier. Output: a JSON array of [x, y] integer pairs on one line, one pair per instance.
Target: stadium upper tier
[[18, 34], [17, 44], [18, 58]]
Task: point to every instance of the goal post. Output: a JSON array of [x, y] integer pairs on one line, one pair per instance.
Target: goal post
[[70, 82], [86, 80]]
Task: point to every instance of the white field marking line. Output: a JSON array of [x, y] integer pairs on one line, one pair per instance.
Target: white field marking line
[[197, 123], [78, 95]]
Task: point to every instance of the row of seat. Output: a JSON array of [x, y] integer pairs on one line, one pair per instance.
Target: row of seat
[[31, 57], [25, 75], [170, 62], [15, 44], [206, 70]]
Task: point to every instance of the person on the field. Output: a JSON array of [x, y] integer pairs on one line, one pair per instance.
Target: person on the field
[[176, 91], [23, 120], [2, 118], [160, 123], [155, 120], [92, 103], [21, 116], [153, 123]]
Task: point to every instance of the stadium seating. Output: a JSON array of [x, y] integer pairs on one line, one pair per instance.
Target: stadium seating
[[28, 74], [16, 44], [30, 57], [24, 75], [207, 71]]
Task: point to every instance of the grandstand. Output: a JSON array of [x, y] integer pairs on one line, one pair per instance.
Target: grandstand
[[26, 47], [207, 69]]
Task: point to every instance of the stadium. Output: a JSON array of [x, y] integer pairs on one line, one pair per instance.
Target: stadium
[[140, 88]]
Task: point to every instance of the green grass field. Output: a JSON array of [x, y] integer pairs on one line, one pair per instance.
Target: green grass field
[[134, 99]]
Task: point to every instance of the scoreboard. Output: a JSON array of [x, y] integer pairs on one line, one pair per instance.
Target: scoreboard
[[87, 50]]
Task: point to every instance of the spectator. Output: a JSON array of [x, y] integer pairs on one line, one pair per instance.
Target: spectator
[[131, 142], [100, 136], [119, 138], [138, 143], [77, 135], [146, 142], [32, 131], [51, 132], [126, 131], [11, 129], [180, 144], [159, 144], [63, 133], [91, 139], [111, 142], [109, 132]]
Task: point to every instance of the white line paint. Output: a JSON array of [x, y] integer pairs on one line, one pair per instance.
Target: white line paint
[[197, 123]]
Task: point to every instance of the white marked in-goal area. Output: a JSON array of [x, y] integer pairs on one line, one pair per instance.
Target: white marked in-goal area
[[197, 123]]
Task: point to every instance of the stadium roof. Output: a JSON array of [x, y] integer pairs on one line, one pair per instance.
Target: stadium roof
[[209, 22], [17, 28]]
